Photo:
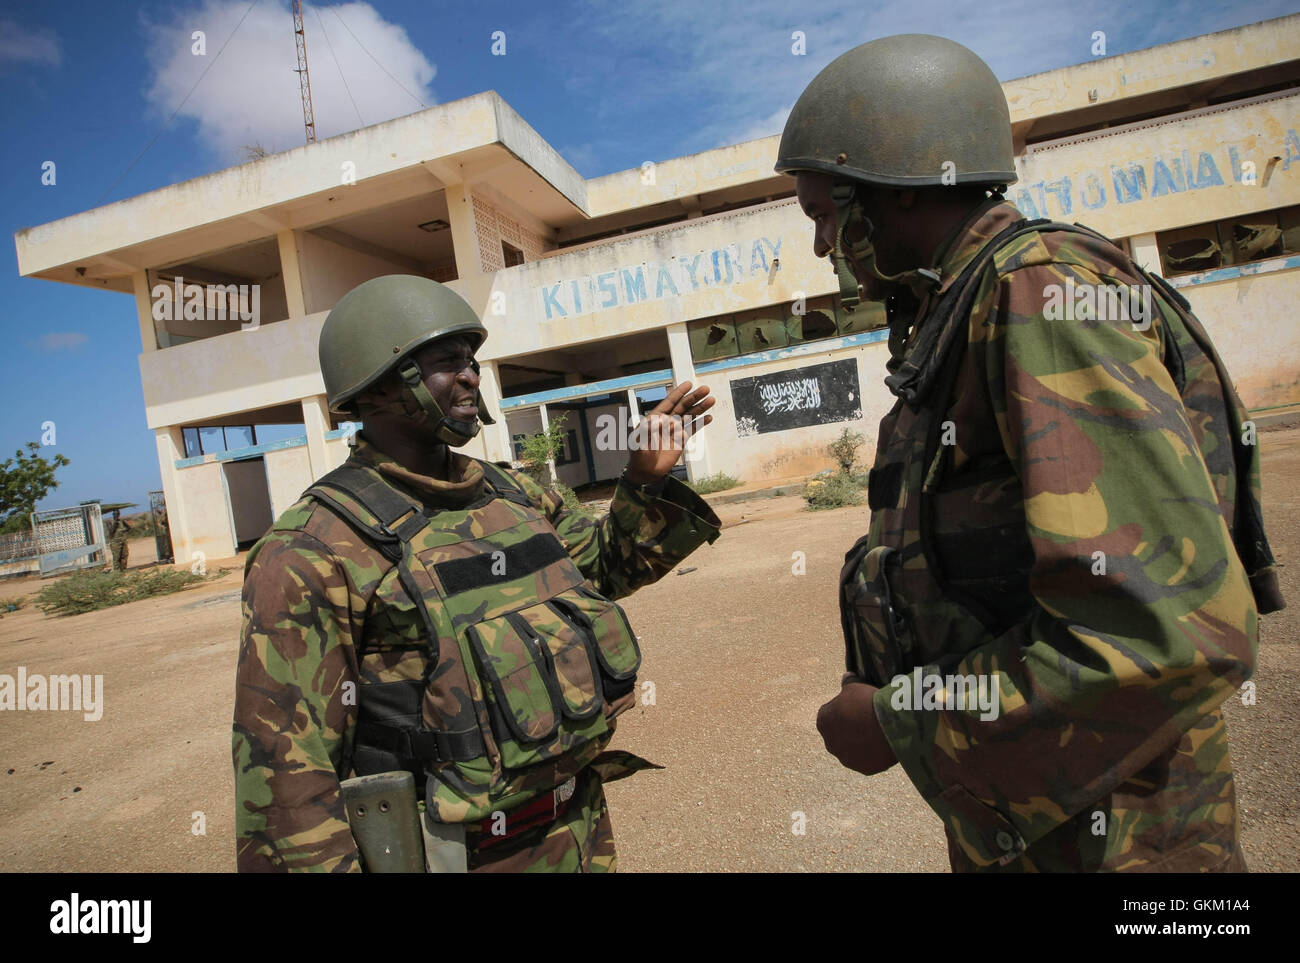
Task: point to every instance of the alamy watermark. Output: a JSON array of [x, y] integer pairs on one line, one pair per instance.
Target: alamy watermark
[[122, 916], [34, 692], [1099, 302], [614, 432], [179, 301], [933, 691]]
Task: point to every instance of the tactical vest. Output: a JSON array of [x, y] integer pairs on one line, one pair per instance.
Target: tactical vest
[[928, 582], [524, 654]]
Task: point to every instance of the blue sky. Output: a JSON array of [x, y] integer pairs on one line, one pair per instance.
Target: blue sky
[[89, 85]]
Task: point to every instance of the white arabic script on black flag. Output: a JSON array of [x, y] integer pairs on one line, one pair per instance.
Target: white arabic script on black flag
[[790, 395]]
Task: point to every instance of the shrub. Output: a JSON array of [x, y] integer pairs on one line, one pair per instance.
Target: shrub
[[713, 483], [844, 450], [540, 448], [836, 490], [87, 591]]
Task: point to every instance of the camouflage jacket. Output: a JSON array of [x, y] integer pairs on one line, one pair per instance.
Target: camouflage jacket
[[1130, 619], [324, 610], [117, 530]]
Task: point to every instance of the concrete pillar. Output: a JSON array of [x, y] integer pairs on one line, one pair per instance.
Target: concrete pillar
[[316, 418], [679, 354], [144, 311], [496, 438], [464, 232], [550, 462], [171, 446], [1145, 252], [287, 241]]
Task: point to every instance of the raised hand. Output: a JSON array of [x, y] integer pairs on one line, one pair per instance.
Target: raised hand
[[662, 434]]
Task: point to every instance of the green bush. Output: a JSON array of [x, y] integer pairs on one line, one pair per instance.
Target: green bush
[[837, 490], [571, 500], [90, 590], [713, 483], [844, 450], [540, 448]]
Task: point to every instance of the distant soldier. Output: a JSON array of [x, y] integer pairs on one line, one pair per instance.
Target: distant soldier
[[423, 611], [1055, 595], [117, 528]]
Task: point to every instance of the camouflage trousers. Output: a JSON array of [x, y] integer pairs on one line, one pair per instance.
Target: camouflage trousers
[[119, 551], [580, 841]]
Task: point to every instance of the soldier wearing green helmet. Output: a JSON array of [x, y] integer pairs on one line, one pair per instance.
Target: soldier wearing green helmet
[[425, 618], [1066, 561]]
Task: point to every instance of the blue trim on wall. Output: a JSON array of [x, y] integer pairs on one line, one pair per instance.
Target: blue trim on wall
[[252, 451], [649, 378], [1236, 271], [658, 377], [795, 351], [238, 454]]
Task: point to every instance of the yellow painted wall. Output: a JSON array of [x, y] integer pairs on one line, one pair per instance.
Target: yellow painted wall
[[331, 270], [1168, 174], [288, 474], [207, 511], [689, 270], [1253, 325], [797, 452]]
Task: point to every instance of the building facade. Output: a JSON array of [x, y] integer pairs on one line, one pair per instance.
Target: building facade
[[599, 294]]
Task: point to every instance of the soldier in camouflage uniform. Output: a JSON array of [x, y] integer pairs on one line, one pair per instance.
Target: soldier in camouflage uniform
[[474, 641], [1062, 505], [117, 531]]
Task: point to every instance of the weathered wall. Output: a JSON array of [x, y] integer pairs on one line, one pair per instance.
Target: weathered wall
[[207, 510], [288, 474], [796, 452], [694, 269], [1252, 322], [1165, 174], [330, 270]]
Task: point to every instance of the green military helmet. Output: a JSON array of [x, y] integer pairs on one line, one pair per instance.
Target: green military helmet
[[375, 328], [894, 112]]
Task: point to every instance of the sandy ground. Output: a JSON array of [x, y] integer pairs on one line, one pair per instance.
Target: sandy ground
[[741, 653]]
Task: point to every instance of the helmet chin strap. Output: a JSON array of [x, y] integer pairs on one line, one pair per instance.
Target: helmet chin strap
[[451, 431], [848, 212]]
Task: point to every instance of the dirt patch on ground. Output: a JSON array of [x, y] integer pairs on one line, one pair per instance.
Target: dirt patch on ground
[[741, 652]]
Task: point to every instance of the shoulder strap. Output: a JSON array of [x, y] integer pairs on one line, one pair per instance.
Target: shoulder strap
[[504, 484], [946, 331], [387, 506]]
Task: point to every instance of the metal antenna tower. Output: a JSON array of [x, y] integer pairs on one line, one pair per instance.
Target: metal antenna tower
[[304, 81]]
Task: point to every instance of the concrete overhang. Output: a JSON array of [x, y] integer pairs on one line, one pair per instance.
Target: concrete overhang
[[476, 139], [1195, 68]]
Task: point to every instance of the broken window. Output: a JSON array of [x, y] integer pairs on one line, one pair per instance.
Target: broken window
[[816, 321], [713, 338], [1189, 249], [1234, 240], [867, 316], [761, 330], [1252, 238]]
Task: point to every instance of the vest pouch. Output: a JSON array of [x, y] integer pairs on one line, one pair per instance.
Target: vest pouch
[[539, 684], [881, 646], [612, 640]]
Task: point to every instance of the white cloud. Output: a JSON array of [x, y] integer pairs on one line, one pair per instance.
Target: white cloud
[[37, 45], [62, 341], [251, 93]]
